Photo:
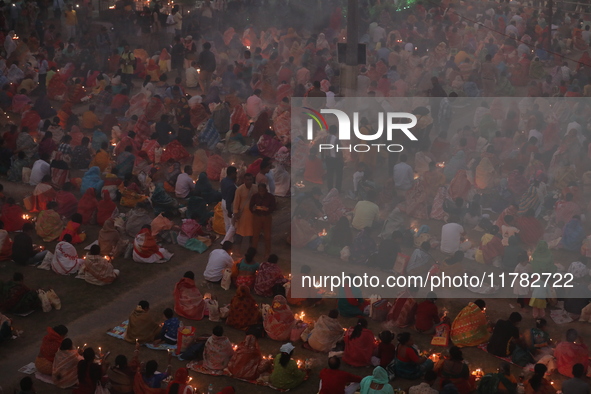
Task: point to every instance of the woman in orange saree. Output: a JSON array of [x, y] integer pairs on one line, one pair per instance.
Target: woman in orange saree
[[57, 89], [188, 301], [470, 327]]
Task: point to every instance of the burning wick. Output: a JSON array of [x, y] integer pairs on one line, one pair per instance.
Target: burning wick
[[323, 233]]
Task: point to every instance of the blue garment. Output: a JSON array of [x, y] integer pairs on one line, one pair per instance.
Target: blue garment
[[209, 135], [573, 235], [98, 137], [170, 328], [92, 178], [155, 381]]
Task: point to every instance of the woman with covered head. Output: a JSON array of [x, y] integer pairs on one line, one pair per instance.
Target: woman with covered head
[[286, 373], [268, 275], [65, 258], [247, 362], [188, 301], [180, 383], [65, 365], [470, 327], [218, 351], [97, 269], [109, 240], [146, 250], [376, 383], [87, 206], [49, 224], [326, 333], [142, 328], [50, 345], [243, 310], [279, 320]]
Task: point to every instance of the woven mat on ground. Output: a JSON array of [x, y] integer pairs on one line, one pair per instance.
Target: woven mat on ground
[[198, 367], [119, 332]]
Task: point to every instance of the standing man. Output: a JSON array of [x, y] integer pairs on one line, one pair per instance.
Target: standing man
[[435, 93], [207, 63], [177, 56], [178, 21], [103, 43], [127, 65], [43, 67], [49, 40], [262, 206], [333, 160], [228, 189], [71, 22], [242, 216], [488, 73]]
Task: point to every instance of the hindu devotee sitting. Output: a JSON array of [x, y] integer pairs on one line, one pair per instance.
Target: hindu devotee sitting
[[151, 378], [65, 365], [538, 383], [333, 380], [470, 327], [247, 361], [408, 364], [110, 240], [268, 275], [146, 250], [65, 258], [24, 252], [49, 223], [244, 311], [570, 352], [49, 347], [188, 301], [90, 372], [286, 372], [218, 261], [73, 230], [279, 320], [359, 345], [218, 351], [326, 333], [16, 297], [454, 368], [142, 327], [376, 383], [505, 334], [97, 269], [122, 373]]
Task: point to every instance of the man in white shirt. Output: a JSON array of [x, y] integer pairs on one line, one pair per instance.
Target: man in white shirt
[[184, 183], [451, 236], [403, 174], [218, 261], [39, 170], [192, 76]]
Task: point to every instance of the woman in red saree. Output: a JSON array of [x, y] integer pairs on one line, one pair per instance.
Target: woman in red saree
[[12, 216], [520, 72], [87, 205], [146, 250], [243, 310], [188, 301], [174, 150], [247, 362], [73, 229], [50, 344], [179, 385], [57, 89], [150, 146], [460, 186], [67, 203], [104, 208], [530, 228], [142, 130], [279, 320], [359, 345], [30, 119], [401, 314], [154, 109], [268, 275]]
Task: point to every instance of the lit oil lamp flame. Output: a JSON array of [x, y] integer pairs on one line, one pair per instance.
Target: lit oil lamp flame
[[323, 233], [416, 176], [234, 347], [441, 165]]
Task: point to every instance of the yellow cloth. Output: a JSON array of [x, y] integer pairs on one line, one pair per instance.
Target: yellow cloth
[[218, 219], [242, 208], [101, 160], [486, 238], [89, 120], [71, 18]]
